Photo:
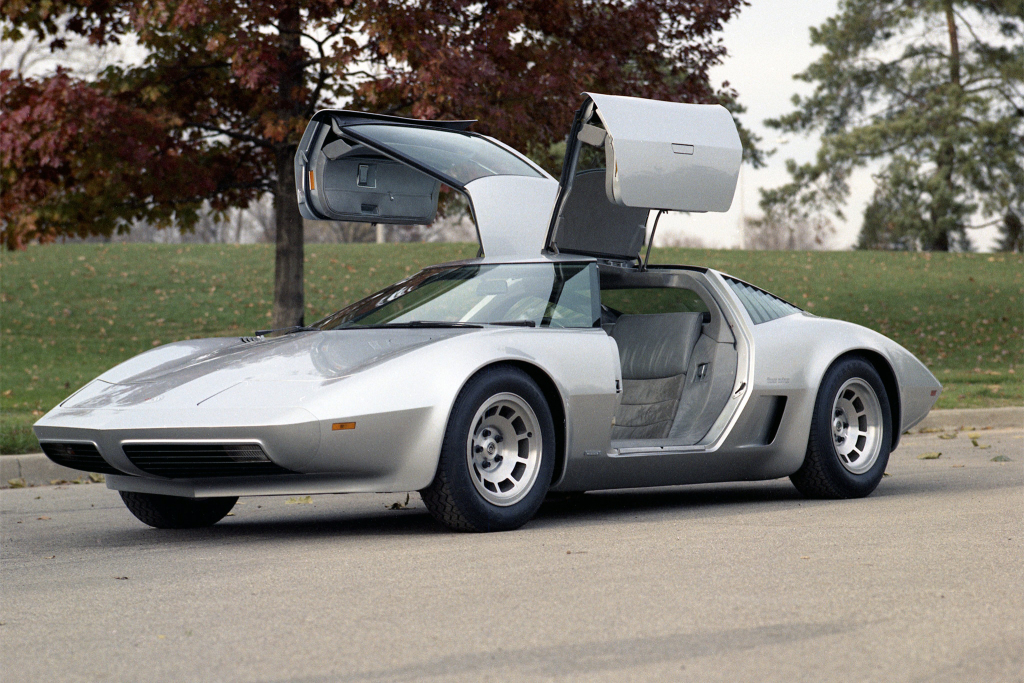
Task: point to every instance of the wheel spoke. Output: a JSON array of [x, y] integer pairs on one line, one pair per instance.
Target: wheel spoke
[[502, 437], [857, 418]]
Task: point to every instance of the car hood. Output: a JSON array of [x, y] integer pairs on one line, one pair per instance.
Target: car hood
[[188, 373]]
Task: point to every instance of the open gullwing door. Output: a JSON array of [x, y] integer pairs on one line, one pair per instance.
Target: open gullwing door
[[370, 168], [627, 156]]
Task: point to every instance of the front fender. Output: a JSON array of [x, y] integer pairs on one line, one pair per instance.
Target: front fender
[[401, 406]]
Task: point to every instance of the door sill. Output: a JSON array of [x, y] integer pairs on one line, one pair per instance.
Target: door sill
[[639, 451]]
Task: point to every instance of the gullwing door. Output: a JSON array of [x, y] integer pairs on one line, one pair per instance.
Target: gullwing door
[[626, 157], [382, 169]]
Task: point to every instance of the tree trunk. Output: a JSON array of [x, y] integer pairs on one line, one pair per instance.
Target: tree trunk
[[288, 258], [946, 156], [288, 284]]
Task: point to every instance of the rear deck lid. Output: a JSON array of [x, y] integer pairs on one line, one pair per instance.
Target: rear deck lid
[[628, 156]]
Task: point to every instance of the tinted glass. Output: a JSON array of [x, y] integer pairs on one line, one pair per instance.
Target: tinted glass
[[653, 300], [460, 156], [761, 305], [545, 294]]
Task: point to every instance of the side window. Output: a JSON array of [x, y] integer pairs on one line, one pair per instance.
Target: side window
[[653, 300], [575, 305]]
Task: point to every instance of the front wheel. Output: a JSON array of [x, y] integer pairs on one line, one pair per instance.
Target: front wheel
[[498, 454], [174, 512], [848, 448]]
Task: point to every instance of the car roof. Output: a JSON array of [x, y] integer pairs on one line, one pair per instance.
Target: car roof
[[495, 260]]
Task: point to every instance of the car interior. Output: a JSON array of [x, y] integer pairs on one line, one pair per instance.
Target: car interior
[[677, 352]]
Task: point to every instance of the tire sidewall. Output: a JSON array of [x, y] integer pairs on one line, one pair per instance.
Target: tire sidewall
[[481, 514], [851, 485]]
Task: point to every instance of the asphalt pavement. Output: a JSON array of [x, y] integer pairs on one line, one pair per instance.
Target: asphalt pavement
[[922, 581]]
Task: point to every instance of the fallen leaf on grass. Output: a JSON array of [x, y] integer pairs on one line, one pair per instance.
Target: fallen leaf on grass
[[805, 557], [886, 474], [300, 500], [973, 435], [230, 514], [400, 506], [121, 578], [951, 435], [44, 517], [956, 465], [50, 557], [57, 482], [929, 430], [97, 478], [18, 483], [1000, 458], [929, 456]]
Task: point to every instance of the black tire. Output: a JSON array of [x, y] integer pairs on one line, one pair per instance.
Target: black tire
[[823, 473], [453, 498], [173, 512]]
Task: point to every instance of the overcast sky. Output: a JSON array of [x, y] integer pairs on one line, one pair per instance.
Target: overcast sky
[[769, 42]]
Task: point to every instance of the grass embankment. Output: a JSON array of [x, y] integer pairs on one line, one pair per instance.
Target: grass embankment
[[70, 312]]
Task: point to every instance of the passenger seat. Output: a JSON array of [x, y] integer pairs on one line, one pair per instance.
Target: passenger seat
[[654, 351]]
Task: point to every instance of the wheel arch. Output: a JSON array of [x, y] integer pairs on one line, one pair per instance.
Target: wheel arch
[[556, 405], [892, 388]]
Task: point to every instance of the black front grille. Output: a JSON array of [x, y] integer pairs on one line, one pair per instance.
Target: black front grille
[[78, 456], [198, 460]]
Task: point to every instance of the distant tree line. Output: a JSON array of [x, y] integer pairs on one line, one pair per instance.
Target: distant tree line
[[929, 92]]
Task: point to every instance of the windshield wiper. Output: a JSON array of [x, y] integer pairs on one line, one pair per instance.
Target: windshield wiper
[[426, 323], [288, 330], [515, 323]]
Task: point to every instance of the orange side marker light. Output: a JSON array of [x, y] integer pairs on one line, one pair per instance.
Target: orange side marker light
[[337, 426], [312, 181]]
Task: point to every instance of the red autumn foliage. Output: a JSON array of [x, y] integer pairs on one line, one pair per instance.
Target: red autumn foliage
[[76, 161], [215, 111], [519, 67]]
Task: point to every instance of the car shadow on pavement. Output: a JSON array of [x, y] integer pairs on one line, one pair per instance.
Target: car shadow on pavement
[[701, 499], [329, 518]]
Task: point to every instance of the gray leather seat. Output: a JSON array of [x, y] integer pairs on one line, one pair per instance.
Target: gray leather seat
[[654, 351]]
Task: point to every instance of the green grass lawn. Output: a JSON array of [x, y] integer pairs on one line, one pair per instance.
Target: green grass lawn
[[70, 312]]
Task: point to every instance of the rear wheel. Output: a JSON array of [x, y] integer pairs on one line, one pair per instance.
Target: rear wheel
[[848, 448], [174, 512], [498, 454]]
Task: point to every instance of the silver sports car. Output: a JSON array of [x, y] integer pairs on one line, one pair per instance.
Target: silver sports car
[[556, 361]]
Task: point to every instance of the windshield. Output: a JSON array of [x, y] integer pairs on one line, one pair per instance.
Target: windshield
[[460, 156], [529, 294]]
